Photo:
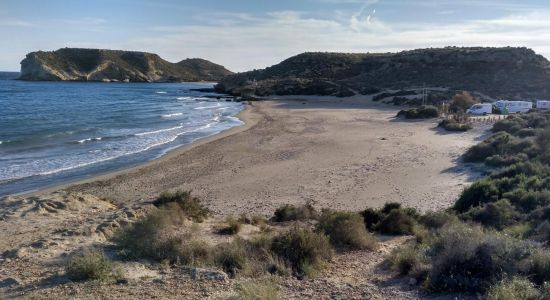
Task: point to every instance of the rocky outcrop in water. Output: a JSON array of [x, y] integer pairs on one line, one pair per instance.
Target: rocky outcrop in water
[[70, 64], [497, 72]]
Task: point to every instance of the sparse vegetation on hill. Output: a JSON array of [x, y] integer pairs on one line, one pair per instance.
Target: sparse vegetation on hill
[[114, 65], [491, 71]]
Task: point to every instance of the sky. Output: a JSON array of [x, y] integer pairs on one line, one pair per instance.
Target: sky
[[252, 34]]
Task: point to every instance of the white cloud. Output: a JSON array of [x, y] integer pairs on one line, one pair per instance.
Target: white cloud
[[244, 41], [15, 23], [265, 41]]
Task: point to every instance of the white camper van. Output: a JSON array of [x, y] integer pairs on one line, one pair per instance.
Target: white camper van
[[512, 107], [480, 109], [543, 104]]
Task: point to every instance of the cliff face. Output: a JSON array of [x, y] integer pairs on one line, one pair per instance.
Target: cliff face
[[113, 65], [496, 72]]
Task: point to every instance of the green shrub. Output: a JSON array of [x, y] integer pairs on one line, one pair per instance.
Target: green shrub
[[150, 237], [90, 264], [389, 206], [517, 288], [423, 112], [540, 266], [190, 206], [498, 214], [465, 258], [409, 260], [505, 160], [526, 132], [346, 229], [232, 257], [255, 291], [492, 146], [437, 219], [371, 217], [480, 192], [303, 248], [452, 125], [293, 213], [510, 125], [396, 222]]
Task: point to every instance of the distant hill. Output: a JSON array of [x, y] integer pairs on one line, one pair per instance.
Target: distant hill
[[8, 75], [496, 72], [74, 64]]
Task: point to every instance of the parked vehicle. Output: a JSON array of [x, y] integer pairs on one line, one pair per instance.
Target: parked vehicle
[[480, 109], [512, 107], [543, 104]]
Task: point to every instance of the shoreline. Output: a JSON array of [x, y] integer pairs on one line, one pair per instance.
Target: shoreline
[[340, 153], [246, 116]]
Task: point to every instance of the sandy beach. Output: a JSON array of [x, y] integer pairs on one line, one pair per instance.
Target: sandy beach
[[335, 153], [342, 154]]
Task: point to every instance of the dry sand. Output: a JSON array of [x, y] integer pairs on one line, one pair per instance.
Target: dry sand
[[342, 154]]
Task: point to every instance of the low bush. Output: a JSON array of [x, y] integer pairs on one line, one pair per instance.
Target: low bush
[[481, 192], [409, 260], [437, 219], [293, 213], [517, 288], [90, 264], [151, 236], [232, 226], [540, 266], [492, 146], [499, 214], [303, 249], [506, 160], [466, 258], [255, 220], [510, 125], [255, 291], [424, 112], [346, 229], [396, 222], [371, 217], [452, 125], [389, 206], [232, 257], [190, 206]]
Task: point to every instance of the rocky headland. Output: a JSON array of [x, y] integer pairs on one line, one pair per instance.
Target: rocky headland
[[71, 64]]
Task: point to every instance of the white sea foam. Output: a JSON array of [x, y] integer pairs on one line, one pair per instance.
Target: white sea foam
[[158, 131], [172, 115], [208, 107], [161, 92], [89, 140]]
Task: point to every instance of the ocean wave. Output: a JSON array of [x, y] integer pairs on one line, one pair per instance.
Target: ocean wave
[[89, 140], [158, 131], [161, 92], [172, 115], [208, 107]]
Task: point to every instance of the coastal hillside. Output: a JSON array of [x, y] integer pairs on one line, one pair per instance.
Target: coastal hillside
[[71, 64], [496, 72]]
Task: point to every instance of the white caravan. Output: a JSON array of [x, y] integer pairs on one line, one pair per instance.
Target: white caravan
[[512, 107], [480, 109], [543, 104]]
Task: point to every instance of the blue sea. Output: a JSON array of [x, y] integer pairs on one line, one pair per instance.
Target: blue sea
[[57, 132]]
